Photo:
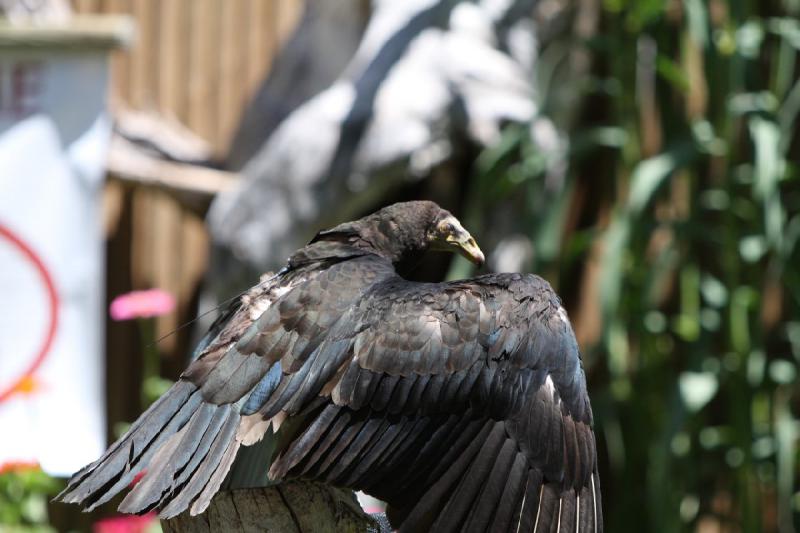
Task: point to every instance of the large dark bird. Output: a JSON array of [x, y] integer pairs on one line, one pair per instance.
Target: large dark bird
[[462, 404]]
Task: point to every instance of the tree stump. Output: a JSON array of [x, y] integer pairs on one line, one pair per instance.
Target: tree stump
[[296, 506]]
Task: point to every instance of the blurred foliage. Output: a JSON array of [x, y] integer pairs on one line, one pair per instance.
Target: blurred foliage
[[670, 226], [24, 492]]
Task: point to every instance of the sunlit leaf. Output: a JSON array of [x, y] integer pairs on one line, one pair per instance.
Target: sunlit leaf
[[697, 389], [786, 27], [744, 103], [769, 163], [783, 372], [714, 291], [651, 173], [749, 38], [752, 248]]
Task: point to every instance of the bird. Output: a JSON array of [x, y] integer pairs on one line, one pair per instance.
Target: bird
[[462, 404]]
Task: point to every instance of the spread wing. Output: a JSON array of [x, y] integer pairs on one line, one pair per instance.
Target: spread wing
[[454, 397], [461, 404]]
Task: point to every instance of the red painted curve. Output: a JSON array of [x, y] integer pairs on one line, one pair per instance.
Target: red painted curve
[[53, 304]]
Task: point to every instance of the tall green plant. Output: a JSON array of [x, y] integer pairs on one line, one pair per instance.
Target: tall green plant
[[676, 228]]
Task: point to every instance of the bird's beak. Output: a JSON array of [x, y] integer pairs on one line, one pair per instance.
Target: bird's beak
[[467, 247]]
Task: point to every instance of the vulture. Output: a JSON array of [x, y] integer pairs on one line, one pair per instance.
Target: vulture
[[463, 405]]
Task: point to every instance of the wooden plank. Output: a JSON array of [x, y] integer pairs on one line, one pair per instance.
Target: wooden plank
[[173, 68], [86, 6], [144, 56], [141, 243], [203, 70], [166, 257], [261, 42], [194, 253], [232, 70], [287, 17], [121, 60]]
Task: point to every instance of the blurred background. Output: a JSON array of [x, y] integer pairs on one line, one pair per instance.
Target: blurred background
[[640, 155]]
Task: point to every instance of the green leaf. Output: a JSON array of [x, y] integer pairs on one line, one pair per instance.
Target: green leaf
[[651, 173], [755, 102], [615, 242], [756, 363], [547, 242], [672, 72], [742, 300], [787, 28], [787, 115]]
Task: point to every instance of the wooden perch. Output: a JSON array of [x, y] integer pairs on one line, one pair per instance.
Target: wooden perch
[[290, 507]]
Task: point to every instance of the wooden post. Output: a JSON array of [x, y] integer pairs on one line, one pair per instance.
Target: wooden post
[[295, 506]]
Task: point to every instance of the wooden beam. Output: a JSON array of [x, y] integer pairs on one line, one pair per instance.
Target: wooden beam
[[192, 185], [78, 32]]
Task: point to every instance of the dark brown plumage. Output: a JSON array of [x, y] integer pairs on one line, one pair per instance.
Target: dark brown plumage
[[461, 404]]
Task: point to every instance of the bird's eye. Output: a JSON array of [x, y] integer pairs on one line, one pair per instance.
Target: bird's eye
[[449, 228]]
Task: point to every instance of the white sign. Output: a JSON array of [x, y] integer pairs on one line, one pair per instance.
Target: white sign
[[54, 135]]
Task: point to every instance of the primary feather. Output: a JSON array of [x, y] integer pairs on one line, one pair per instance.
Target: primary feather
[[462, 404]]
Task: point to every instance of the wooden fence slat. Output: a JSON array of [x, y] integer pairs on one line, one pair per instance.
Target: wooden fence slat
[[171, 40], [166, 249], [86, 6], [120, 59], [260, 43], [287, 17], [202, 116], [232, 72], [141, 93]]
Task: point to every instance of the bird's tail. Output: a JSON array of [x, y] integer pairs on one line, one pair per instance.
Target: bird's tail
[[186, 445]]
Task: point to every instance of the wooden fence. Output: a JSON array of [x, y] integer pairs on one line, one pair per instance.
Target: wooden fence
[[198, 61]]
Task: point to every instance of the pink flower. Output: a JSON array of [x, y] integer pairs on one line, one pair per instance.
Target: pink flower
[[141, 304], [125, 524]]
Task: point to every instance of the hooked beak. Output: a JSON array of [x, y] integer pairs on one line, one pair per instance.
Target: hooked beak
[[467, 247]]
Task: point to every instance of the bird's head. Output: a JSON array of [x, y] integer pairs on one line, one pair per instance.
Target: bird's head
[[448, 235], [422, 225], [404, 231]]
